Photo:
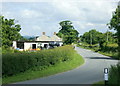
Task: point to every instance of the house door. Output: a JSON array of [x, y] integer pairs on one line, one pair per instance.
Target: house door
[[45, 45], [33, 46]]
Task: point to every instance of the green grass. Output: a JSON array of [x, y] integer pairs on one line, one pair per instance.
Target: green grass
[[98, 83], [57, 68]]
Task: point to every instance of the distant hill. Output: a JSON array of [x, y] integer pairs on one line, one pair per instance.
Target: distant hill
[[28, 37]]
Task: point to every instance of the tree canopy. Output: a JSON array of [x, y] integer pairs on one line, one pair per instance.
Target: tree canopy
[[92, 37], [115, 24], [67, 32], [10, 31], [96, 37]]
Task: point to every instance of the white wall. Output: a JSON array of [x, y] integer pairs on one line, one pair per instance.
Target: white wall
[[44, 43], [61, 43], [14, 44], [28, 45]]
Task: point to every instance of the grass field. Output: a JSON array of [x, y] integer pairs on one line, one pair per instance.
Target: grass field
[[54, 69]]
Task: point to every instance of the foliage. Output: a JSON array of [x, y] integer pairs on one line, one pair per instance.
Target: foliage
[[114, 75], [22, 38], [14, 63], [110, 47], [9, 50], [92, 37], [67, 32], [95, 37], [107, 49], [9, 31], [115, 24], [76, 61]]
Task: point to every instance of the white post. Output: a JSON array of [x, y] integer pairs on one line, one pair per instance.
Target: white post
[[106, 76]]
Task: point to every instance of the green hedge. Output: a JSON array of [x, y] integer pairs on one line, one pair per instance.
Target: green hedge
[[110, 48], [14, 63], [114, 75]]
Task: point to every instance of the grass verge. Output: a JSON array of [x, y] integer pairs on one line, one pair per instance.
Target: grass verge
[[57, 68], [98, 83], [112, 55]]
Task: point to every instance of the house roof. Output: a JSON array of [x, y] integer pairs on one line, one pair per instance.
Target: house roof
[[55, 38], [46, 38], [43, 38]]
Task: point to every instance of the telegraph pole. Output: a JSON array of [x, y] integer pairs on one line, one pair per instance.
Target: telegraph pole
[[107, 36], [91, 38]]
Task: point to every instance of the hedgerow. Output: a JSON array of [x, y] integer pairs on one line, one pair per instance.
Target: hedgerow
[[14, 63], [109, 48], [114, 75], [106, 49]]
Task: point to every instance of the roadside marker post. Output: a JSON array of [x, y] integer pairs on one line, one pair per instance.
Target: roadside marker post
[[106, 76]]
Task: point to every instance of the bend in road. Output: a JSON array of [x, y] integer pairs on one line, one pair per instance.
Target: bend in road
[[90, 72]]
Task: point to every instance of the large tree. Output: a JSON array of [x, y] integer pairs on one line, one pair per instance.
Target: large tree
[[10, 31], [67, 32], [93, 37], [115, 24]]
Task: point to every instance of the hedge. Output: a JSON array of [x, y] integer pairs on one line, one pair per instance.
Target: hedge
[[14, 63], [110, 48], [114, 75]]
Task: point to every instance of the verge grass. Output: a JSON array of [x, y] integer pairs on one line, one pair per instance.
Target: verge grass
[[114, 55], [53, 69], [98, 83]]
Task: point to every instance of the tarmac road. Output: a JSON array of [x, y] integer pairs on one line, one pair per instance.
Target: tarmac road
[[90, 72]]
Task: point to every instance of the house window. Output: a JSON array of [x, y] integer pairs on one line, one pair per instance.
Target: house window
[[33, 46], [20, 45], [45, 45]]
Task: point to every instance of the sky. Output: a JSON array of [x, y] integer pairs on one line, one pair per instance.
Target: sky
[[37, 16]]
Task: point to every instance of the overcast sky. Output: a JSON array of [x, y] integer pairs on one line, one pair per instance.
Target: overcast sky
[[44, 16]]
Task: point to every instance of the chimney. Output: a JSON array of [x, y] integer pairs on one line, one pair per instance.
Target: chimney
[[43, 33], [54, 33]]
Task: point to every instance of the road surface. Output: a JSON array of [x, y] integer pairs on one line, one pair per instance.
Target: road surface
[[90, 72]]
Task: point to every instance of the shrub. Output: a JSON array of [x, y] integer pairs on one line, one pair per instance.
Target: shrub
[[114, 75], [109, 47], [14, 63]]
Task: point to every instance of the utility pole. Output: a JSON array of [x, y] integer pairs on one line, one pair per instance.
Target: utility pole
[[91, 38], [107, 36]]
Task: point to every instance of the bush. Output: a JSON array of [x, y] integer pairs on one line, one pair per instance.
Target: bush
[[14, 63], [114, 75], [109, 48]]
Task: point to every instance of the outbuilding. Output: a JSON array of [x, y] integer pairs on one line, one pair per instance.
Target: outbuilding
[[40, 42]]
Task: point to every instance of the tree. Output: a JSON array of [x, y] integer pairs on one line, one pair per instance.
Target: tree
[[93, 37], [67, 32], [110, 37], [10, 31], [115, 24]]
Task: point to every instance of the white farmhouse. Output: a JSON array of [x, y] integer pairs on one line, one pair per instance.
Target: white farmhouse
[[42, 41]]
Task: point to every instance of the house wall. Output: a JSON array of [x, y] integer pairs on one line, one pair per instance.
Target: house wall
[[28, 45], [14, 44], [60, 43], [44, 44]]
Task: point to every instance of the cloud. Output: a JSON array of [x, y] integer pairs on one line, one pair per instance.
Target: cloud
[[30, 14], [90, 24], [37, 17]]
